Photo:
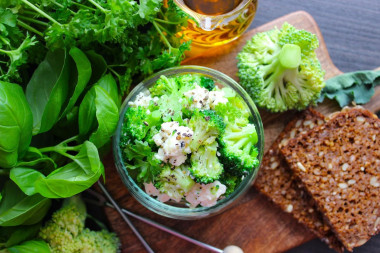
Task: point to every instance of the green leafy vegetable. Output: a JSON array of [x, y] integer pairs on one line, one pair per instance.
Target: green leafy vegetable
[[82, 75], [98, 66], [136, 38], [16, 208], [140, 158], [35, 159], [47, 90], [16, 123], [64, 182], [13, 46], [108, 83], [107, 116], [356, 87], [10, 236], [99, 113], [32, 246]]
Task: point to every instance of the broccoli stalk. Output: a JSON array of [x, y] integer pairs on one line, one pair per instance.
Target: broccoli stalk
[[205, 165], [238, 151], [280, 70]]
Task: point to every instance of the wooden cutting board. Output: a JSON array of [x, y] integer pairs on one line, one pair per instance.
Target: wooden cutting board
[[254, 223]]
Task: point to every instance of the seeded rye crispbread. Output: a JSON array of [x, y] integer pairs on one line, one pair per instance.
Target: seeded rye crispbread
[[275, 180], [339, 165]]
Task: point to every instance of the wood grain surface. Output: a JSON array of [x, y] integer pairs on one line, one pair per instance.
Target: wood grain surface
[[254, 223]]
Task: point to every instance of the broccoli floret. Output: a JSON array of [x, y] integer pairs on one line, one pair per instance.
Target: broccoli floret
[[170, 103], [280, 70], [206, 125], [231, 181], [238, 151], [180, 83], [171, 90], [66, 232], [207, 83], [234, 110], [170, 107], [97, 241], [205, 165], [164, 86], [138, 122], [188, 81], [174, 182]]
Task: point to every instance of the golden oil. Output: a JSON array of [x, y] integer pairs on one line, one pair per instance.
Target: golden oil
[[212, 7], [216, 22]]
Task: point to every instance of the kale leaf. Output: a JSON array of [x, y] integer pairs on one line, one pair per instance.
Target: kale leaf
[[356, 87]]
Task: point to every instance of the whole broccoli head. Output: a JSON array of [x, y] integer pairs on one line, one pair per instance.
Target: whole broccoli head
[[174, 182], [238, 151], [66, 232], [206, 125], [205, 165], [280, 70]]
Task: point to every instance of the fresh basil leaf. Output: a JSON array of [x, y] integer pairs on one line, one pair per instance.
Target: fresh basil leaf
[[87, 113], [108, 83], [107, 116], [68, 125], [98, 66], [35, 159], [66, 181], [82, 75], [25, 178], [16, 122], [16, 208], [99, 113], [356, 87], [47, 90], [18, 234], [33, 246]]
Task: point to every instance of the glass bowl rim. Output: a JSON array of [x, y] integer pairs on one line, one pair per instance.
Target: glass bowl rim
[[162, 208]]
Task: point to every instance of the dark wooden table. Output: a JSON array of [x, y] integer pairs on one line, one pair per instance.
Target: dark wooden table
[[351, 30]]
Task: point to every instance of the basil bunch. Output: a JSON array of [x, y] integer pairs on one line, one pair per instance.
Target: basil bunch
[[49, 139]]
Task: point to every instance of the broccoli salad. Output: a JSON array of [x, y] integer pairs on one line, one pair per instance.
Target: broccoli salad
[[187, 140]]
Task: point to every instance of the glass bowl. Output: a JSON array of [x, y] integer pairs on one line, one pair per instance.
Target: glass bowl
[[174, 210]]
